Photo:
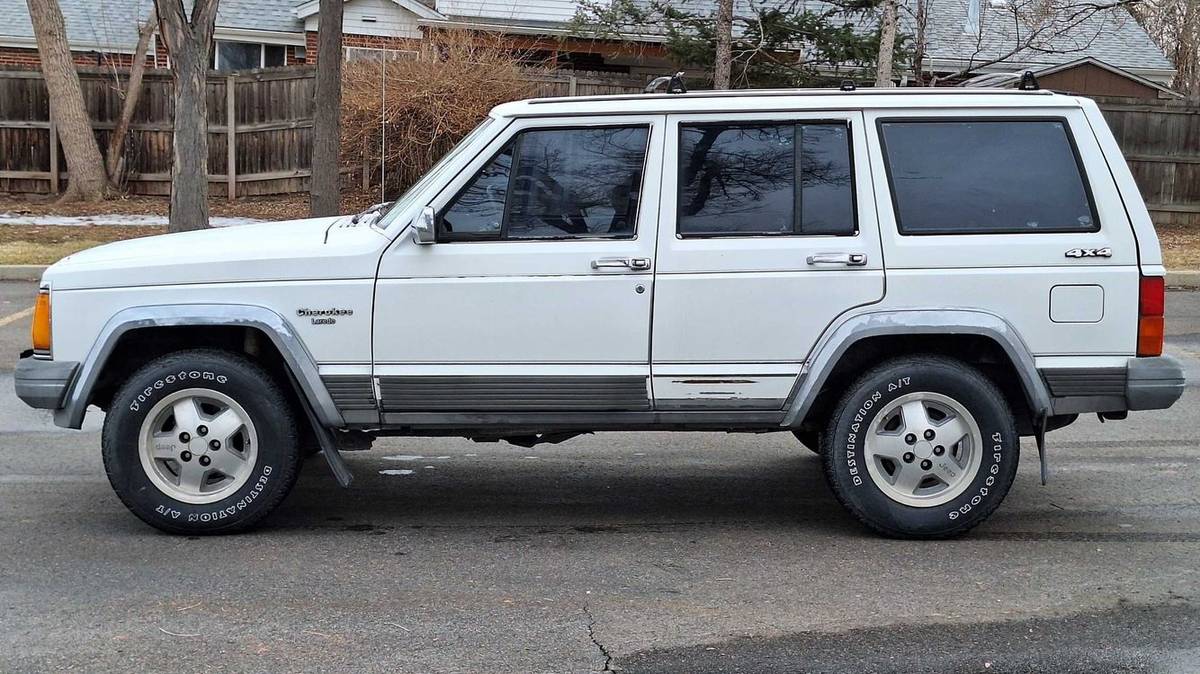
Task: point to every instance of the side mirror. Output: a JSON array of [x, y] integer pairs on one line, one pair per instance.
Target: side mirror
[[425, 227]]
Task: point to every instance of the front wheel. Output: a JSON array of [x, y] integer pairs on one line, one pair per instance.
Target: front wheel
[[201, 442], [921, 447]]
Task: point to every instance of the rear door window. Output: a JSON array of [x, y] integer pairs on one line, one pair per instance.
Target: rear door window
[[986, 176]]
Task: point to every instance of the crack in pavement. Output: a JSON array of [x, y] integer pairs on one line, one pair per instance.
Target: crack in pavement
[[591, 630]]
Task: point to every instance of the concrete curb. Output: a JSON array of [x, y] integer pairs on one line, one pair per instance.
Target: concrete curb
[[21, 272], [1184, 279], [1189, 278]]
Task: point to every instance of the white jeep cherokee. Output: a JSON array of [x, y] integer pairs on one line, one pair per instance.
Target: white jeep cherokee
[[909, 281]]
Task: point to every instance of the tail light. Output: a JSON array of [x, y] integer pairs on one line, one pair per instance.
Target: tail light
[[1151, 305], [40, 333]]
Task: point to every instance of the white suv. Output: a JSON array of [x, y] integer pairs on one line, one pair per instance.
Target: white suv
[[908, 281]]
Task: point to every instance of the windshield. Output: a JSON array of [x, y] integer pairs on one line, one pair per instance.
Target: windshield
[[402, 204]]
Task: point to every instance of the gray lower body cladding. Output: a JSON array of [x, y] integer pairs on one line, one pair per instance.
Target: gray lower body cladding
[[513, 394]]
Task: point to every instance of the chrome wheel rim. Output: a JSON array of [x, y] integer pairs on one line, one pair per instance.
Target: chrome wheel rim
[[198, 446], [923, 449]]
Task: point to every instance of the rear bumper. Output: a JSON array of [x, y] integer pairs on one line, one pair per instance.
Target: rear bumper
[[1143, 384], [1154, 383], [43, 383]]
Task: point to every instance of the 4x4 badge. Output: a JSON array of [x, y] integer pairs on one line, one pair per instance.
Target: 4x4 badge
[[1089, 252]]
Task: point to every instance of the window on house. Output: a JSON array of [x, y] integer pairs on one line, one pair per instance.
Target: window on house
[[230, 56], [763, 179], [986, 177], [554, 184], [375, 54]]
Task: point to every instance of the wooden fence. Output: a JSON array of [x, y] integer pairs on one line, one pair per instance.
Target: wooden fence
[[259, 142], [260, 124], [1161, 142]]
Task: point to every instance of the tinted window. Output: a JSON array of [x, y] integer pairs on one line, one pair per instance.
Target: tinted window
[[554, 184], [979, 177], [742, 180]]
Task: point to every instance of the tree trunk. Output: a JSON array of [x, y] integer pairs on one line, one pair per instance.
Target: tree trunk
[[920, 41], [887, 44], [88, 181], [723, 61], [1187, 56], [116, 141], [325, 195], [189, 43]]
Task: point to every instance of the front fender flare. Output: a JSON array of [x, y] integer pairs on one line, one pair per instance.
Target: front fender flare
[[280, 332], [838, 339]]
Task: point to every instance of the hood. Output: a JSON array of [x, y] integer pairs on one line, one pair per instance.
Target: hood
[[316, 248]]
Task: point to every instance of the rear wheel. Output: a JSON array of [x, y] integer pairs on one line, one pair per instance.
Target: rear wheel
[[921, 447], [201, 442]]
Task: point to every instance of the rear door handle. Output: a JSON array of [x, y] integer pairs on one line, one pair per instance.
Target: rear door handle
[[844, 259], [635, 263]]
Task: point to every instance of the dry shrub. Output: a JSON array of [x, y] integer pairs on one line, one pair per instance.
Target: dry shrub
[[431, 101]]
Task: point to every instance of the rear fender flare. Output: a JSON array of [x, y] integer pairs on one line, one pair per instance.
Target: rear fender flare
[[839, 338]]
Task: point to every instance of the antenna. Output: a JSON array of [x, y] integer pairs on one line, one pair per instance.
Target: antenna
[[383, 129]]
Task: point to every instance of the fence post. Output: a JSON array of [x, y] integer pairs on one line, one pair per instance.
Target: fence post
[[572, 85], [366, 167], [54, 177], [231, 136]]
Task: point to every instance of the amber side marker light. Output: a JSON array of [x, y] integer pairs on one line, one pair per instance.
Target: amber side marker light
[[1151, 305], [40, 333]]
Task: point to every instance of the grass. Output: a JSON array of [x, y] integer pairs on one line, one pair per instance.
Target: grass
[[21, 244], [1180, 247]]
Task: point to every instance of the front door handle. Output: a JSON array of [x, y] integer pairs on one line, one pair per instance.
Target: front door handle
[[844, 259], [635, 263]]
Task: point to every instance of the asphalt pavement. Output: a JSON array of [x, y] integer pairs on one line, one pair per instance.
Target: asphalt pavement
[[651, 552]]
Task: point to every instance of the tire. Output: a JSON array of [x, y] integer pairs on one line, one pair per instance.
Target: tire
[[868, 447], [170, 474]]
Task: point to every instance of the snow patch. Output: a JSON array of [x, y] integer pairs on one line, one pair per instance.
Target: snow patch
[[109, 220]]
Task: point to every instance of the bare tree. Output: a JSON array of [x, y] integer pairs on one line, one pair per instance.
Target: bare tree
[[189, 42], [887, 43], [133, 91], [1175, 26], [723, 60], [88, 181], [325, 195]]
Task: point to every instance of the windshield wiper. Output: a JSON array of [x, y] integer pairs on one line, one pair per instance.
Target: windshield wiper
[[374, 210]]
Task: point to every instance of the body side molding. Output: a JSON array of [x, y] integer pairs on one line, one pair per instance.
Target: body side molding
[[280, 332], [837, 340]]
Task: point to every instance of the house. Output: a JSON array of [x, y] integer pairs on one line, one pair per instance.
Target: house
[[965, 38], [1086, 74], [266, 33]]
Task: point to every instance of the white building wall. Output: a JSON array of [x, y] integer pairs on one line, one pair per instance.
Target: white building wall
[[374, 17]]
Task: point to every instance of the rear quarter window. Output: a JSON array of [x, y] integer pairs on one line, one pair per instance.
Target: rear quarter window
[[986, 176]]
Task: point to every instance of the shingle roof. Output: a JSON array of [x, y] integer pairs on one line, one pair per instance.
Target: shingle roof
[[105, 25], [1111, 36]]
